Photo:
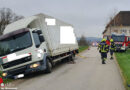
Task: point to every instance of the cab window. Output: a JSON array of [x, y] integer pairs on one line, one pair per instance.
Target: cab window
[[36, 39]]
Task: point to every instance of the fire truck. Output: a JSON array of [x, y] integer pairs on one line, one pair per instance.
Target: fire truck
[[122, 42], [128, 41]]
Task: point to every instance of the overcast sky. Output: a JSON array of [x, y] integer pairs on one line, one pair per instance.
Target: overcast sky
[[87, 16]]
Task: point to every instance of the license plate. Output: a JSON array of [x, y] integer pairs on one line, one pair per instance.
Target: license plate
[[20, 76]]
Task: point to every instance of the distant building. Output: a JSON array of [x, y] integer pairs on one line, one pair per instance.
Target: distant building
[[119, 24]]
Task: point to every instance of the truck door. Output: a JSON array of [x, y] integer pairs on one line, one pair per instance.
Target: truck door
[[39, 44]]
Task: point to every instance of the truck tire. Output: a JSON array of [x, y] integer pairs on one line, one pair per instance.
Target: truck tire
[[72, 57], [48, 66]]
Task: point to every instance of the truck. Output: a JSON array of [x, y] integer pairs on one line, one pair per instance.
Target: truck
[[128, 38], [33, 44], [121, 41]]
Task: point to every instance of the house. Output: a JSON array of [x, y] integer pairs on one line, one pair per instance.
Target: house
[[119, 24]]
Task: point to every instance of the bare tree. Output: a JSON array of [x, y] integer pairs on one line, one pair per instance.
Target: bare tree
[[112, 15], [7, 16], [83, 41]]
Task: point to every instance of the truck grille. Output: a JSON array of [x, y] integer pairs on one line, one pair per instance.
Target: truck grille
[[17, 70], [16, 62]]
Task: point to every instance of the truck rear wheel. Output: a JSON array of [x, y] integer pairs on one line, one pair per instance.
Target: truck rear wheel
[[48, 66], [72, 57]]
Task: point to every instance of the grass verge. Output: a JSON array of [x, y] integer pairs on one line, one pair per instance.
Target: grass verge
[[124, 63], [82, 48]]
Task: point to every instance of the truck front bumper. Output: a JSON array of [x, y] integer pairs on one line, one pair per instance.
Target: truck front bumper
[[24, 70]]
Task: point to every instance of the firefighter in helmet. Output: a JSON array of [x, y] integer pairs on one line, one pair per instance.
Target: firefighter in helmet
[[103, 49], [112, 48]]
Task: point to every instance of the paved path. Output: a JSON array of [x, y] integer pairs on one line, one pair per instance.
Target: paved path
[[87, 74]]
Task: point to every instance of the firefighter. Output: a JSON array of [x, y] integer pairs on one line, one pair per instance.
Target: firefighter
[[103, 49], [112, 48]]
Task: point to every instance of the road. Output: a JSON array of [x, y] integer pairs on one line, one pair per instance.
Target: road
[[87, 74]]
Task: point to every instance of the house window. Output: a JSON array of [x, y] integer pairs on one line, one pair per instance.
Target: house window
[[124, 31], [116, 31]]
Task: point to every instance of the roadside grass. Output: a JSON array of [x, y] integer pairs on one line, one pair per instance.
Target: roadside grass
[[124, 63], [82, 48]]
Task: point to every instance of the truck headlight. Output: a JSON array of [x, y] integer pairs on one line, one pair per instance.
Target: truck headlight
[[34, 65], [4, 74]]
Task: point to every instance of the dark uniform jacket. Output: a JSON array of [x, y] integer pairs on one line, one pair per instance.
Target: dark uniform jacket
[[112, 46], [103, 47]]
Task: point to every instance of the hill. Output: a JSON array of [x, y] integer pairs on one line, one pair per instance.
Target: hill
[[92, 39]]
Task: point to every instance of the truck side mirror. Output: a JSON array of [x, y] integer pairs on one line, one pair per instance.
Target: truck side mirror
[[41, 38], [37, 45], [39, 32]]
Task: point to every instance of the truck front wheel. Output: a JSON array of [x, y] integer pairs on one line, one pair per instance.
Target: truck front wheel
[[48, 66]]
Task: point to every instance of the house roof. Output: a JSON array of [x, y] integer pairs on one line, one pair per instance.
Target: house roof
[[121, 19]]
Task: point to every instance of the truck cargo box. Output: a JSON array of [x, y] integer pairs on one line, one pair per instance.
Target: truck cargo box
[[51, 32]]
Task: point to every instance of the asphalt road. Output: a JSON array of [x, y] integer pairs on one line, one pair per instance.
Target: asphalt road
[[87, 74]]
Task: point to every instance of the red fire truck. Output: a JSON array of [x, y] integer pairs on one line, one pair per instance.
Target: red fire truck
[[122, 41], [128, 41]]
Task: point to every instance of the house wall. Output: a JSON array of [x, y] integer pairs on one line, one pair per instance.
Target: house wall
[[118, 30]]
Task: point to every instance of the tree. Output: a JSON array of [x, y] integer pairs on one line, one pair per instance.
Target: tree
[[112, 15], [83, 41], [7, 16]]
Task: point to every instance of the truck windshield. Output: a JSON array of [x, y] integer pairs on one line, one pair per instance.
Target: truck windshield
[[15, 43], [118, 38]]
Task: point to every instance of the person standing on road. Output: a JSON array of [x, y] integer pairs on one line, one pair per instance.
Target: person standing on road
[[103, 49], [112, 48]]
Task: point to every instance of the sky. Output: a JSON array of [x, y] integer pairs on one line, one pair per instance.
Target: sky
[[88, 17]]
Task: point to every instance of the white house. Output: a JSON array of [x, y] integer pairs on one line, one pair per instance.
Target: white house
[[119, 24]]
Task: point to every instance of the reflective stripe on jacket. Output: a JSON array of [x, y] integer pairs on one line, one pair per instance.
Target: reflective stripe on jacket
[[112, 46], [103, 47]]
